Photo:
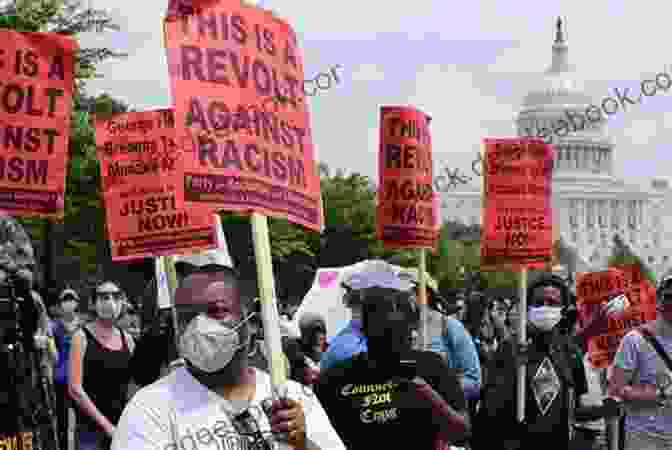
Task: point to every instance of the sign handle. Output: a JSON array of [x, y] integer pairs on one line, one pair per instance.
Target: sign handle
[[171, 278], [422, 298], [269, 307], [522, 339]]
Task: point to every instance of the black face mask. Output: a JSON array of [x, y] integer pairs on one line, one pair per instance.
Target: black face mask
[[389, 338]]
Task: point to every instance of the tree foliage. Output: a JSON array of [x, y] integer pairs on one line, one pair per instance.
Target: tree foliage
[[622, 254]]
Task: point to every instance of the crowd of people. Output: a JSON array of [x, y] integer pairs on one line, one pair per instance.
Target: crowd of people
[[198, 375]]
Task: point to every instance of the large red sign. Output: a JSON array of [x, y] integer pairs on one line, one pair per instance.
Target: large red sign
[[141, 174], [224, 55], [517, 211], [36, 73], [406, 210]]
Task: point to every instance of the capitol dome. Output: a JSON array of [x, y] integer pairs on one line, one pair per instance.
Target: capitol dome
[[582, 148]]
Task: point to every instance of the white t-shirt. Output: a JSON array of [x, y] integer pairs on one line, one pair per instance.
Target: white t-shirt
[[179, 413]]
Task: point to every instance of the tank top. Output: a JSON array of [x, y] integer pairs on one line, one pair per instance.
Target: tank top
[[106, 377]]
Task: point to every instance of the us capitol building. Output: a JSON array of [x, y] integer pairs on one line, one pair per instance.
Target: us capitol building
[[590, 205]]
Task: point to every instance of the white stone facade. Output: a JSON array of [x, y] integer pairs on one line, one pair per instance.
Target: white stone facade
[[590, 206]]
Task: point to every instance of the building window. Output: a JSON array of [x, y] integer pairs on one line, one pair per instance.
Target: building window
[[590, 214], [573, 214]]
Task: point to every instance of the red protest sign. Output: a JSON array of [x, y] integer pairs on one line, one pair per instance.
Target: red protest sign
[[142, 181], [593, 290], [517, 212], [405, 212], [223, 56], [35, 104]]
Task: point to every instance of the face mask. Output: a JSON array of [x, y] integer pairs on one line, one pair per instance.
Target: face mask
[[209, 344], [68, 307], [108, 309], [545, 318]]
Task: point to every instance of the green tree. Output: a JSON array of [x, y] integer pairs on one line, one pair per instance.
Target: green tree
[[622, 254]]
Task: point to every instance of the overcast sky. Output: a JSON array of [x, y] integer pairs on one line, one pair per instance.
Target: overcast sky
[[467, 64]]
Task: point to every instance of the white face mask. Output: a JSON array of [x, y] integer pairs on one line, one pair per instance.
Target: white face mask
[[108, 309], [68, 306], [544, 318], [209, 344]]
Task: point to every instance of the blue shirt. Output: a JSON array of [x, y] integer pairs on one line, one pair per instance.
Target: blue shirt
[[347, 343], [454, 341]]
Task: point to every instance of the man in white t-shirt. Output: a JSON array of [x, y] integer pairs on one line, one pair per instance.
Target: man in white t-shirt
[[217, 401]]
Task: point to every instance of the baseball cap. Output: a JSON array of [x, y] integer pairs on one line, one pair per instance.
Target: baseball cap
[[377, 279]]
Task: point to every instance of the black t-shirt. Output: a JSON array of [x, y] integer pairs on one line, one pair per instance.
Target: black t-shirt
[[374, 409], [550, 373]]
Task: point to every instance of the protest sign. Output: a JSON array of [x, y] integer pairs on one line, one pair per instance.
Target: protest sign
[[641, 293], [222, 56], [517, 212], [35, 104], [141, 179], [593, 290], [406, 204]]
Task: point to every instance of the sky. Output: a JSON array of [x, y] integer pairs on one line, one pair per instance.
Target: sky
[[467, 64]]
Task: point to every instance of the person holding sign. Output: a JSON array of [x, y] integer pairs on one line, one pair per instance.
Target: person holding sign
[[642, 377], [216, 396], [556, 380], [393, 396]]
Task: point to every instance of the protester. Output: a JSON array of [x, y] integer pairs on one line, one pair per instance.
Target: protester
[[393, 396], [313, 344], [555, 380], [452, 340], [258, 352], [100, 370], [351, 341], [20, 379], [64, 327], [593, 434], [155, 349], [643, 379], [217, 395]]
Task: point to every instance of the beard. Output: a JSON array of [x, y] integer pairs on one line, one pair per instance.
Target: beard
[[231, 375]]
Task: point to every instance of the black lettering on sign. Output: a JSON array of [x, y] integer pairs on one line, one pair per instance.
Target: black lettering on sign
[[27, 139], [162, 222], [27, 171], [407, 191], [150, 205], [412, 214], [250, 157], [15, 98], [517, 239], [518, 223], [407, 157]]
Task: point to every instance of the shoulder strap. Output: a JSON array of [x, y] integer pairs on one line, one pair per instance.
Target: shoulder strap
[[651, 339], [127, 340]]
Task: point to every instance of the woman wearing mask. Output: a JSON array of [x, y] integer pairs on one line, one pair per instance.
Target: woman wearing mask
[[100, 370], [65, 326]]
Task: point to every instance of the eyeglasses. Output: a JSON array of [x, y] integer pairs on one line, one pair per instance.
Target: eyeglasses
[[116, 295]]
